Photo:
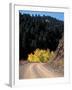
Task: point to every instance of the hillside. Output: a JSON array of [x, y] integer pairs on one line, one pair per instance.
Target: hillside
[[58, 61], [43, 32]]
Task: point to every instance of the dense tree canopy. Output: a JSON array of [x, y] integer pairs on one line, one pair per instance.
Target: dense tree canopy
[[38, 32]]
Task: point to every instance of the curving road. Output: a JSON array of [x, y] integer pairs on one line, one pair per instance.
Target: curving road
[[37, 70]]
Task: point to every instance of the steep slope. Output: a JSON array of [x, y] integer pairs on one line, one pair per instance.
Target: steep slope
[[58, 61]]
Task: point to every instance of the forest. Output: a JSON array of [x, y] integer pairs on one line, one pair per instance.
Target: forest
[[35, 31]]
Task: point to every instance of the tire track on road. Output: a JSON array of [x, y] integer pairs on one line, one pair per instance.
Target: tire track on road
[[36, 70]]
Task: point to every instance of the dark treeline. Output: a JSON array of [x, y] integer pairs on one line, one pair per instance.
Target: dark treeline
[[38, 32]]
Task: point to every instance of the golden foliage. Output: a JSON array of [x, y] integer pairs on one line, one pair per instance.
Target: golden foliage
[[40, 55]]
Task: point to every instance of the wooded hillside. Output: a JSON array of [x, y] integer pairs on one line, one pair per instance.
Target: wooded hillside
[[43, 32]]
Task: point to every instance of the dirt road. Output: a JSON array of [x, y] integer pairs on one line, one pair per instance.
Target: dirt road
[[37, 70]]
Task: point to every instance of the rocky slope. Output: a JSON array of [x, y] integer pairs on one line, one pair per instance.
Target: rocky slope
[[58, 61]]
